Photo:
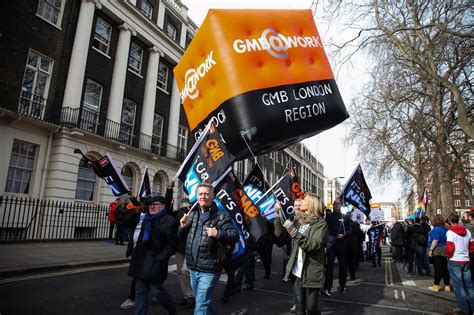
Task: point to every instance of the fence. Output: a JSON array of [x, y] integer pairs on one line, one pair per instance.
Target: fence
[[35, 219]]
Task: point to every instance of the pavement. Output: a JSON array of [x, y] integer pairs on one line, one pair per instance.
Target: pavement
[[25, 258], [18, 259]]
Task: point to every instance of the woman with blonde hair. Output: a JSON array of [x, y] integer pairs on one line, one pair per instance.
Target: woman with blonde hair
[[305, 268]]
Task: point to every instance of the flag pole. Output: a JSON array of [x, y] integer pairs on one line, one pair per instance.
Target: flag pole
[[271, 188]]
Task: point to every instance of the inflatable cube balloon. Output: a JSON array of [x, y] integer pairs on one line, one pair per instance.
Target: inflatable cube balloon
[[261, 75]]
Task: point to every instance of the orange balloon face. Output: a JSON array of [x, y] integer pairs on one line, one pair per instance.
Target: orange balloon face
[[237, 51]]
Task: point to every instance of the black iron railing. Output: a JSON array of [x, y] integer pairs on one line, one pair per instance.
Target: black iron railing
[[35, 219]]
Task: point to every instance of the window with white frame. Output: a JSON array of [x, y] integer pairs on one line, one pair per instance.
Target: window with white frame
[[86, 180], [102, 36], [51, 11], [91, 106], [455, 180], [467, 202], [456, 191], [129, 109], [146, 8], [20, 170], [157, 133], [171, 31], [428, 180], [135, 58], [158, 185], [127, 174], [457, 203], [163, 71], [35, 86], [182, 138]]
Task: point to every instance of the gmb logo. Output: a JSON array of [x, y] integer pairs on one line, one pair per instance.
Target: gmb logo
[[275, 43]]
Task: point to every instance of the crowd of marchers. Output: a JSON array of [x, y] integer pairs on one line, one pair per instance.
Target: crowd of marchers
[[447, 244], [202, 238]]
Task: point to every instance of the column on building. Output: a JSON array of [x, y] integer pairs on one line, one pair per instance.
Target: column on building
[[77, 65], [161, 14], [149, 100], [117, 86], [173, 124], [182, 40]]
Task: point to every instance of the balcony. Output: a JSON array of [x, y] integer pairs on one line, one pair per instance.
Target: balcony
[[17, 102], [26, 104], [87, 120]]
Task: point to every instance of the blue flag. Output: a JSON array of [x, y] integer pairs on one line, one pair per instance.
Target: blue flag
[[357, 193]]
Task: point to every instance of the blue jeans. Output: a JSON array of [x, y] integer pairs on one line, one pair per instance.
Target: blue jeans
[[141, 296], [203, 284], [462, 282]]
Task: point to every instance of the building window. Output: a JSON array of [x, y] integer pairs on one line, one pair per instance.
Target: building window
[[102, 35], [128, 121], [158, 184], [182, 139], [455, 180], [146, 8], [51, 10], [127, 174], [428, 180], [467, 202], [86, 179], [456, 191], [34, 89], [157, 134], [91, 106], [163, 71], [135, 59], [457, 203], [20, 170], [171, 31]]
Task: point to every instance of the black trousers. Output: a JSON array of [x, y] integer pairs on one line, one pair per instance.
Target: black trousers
[[440, 265], [306, 299], [119, 234], [229, 287], [265, 252], [337, 250], [378, 255]]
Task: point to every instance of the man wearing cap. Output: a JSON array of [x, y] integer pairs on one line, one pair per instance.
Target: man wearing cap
[[207, 230], [154, 241]]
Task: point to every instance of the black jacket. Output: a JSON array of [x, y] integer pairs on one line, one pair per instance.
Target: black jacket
[[150, 258], [397, 235], [209, 258]]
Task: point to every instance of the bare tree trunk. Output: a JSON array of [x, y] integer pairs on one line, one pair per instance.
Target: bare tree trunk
[[441, 147]]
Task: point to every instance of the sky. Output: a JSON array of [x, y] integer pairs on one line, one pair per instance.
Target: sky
[[328, 147]]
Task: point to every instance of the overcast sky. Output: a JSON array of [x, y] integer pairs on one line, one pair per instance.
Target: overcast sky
[[327, 147]]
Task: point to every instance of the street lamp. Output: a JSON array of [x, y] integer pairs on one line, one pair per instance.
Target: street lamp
[[333, 189]]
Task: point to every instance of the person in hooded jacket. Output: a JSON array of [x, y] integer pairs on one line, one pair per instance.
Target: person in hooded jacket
[[459, 244], [154, 242], [305, 268]]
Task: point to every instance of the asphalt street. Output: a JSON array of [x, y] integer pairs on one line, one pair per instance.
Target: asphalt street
[[101, 289]]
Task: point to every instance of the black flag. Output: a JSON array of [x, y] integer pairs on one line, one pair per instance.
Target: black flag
[[206, 162], [106, 169], [357, 193]]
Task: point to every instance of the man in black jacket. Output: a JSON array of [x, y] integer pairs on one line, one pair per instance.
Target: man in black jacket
[[397, 239], [207, 230], [339, 230], [153, 243]]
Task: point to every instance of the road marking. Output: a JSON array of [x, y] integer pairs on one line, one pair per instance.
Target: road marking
[[353, 302], [61, 273], [378, 305], [403, 295], [396, 294], [237, 312]]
